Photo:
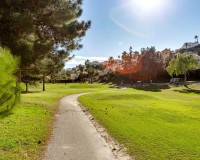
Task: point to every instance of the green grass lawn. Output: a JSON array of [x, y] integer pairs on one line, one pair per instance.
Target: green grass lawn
[[24, 131], [152, 124]]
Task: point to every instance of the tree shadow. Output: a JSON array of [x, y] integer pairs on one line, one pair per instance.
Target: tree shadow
[[29, 92], [151, 88], [188, 91], [5, 114], [114, 87]]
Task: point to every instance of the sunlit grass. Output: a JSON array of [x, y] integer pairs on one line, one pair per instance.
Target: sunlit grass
[[152, 125]]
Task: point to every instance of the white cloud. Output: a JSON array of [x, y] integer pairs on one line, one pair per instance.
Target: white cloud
[[81, 60]]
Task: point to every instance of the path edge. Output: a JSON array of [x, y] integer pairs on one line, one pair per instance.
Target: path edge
[[119, 150]]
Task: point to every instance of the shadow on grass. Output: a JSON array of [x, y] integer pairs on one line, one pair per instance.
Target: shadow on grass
[[5, 114], [114, 86], [151, 88], [188, 91], [24, 92]]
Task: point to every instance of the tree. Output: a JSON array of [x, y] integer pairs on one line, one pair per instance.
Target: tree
[[111, 61], [92, 70], [196, 37], [82, 75], [131, 63], [9, 92], [152, 64], [34, 29], [182, 64], [149, 65], [50, 66]]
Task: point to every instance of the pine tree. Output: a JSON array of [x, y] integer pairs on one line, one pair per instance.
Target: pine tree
[[33, 29]]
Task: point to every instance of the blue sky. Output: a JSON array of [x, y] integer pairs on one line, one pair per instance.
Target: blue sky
[[119, 24]]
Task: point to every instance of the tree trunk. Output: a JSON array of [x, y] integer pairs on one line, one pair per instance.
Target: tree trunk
[[26, 86], [18, 78], [18, 81], [43, 84], [185, 78]]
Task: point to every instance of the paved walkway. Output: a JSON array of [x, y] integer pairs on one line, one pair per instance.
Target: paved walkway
[[74, 135]]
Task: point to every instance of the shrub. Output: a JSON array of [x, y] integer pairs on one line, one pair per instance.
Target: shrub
[[9, 92]]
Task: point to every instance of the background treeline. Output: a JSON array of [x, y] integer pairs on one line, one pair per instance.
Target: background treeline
[[151, 65], [148, 65], [145, 66]]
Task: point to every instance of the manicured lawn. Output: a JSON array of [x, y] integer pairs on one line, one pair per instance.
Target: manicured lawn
[[154, 124], [25, 130]]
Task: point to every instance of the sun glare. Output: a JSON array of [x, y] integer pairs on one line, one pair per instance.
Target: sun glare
[[142, 17], [148, 6]]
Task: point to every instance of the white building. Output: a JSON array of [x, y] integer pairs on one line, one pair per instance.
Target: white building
[[165, 54], [189, 45], [95, 63]]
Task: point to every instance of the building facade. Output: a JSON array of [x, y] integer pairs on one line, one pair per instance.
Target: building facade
[[189, 45]]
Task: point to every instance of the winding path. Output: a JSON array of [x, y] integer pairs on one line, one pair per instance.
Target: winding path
[[74, 135]]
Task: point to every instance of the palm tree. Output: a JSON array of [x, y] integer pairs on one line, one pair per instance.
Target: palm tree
[[131, 49], [81, 69], [91, 71], [196, 37], [111, 61]]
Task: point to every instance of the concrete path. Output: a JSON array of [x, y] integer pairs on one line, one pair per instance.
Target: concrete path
[[74, 135]]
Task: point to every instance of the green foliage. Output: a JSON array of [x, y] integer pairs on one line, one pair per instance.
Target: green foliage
[[181, 64], [34, 30], [9, 93], [92, 70], [88, 72], [42, 33]]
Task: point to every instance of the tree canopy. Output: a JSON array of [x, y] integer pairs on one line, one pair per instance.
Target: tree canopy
[[181, 64], [32, 29]]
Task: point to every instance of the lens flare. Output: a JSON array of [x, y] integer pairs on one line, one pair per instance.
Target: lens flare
[[148, 6]]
